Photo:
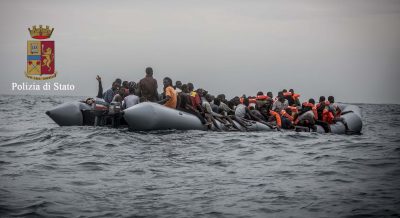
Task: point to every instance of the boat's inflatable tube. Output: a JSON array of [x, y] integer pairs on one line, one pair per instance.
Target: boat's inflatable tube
[[68, 114], [151, 116]]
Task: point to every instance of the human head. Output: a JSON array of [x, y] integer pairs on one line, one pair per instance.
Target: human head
[[115, 86], [121, 92], [190, 86], [201, 92], [89, 101], [178, 84], [321, 98], [184, 88], [149, 71], [231, 103], [260, 93], [125, 84], [167, 82], [131, 84], [131, 90], [217, 101], [208, 97], [269, 94], [236, 100], [221, 97], [284, 90], [291, 90], [331, 99], [281, 98], [118, 80], [311, 100]]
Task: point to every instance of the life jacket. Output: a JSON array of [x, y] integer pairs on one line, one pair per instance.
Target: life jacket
[[296, 96], [327, 116], [262, 97], [288, 96], [314, 110], [277, 118], [251, 100], [291, 97], [311, 106], [288, 116], [293, 109]]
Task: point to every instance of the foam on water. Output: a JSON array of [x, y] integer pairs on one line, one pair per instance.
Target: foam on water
[[46, 170]]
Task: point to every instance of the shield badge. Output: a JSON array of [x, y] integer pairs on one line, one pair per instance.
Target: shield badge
[[40, 54]]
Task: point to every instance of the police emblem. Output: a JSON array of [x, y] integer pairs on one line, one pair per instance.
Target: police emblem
[[40, 54]]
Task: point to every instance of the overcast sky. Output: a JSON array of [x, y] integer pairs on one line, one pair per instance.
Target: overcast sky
[[346, 48]]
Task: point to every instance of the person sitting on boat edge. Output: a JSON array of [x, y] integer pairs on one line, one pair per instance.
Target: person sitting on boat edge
[[131, 99], [110, 93], [148, 87], [209, 114], [334, 107], [311, 106], [223, 108], [125, 87], [170, 99], [178, 86], [263, 104], [186, 105], [307, 116], [242, 111], [280, 104], [194, 98], [320, 107], [119, 97], [337, 112]]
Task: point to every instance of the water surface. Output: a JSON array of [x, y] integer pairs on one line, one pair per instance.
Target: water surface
[[47, 170]]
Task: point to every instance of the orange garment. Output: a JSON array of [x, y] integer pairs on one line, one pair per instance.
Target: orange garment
[[171, 103], [252, 100], [327, 116], [296, 96], [288, 116], [277, 118], [262, 97], [287, 94], [314, 110]]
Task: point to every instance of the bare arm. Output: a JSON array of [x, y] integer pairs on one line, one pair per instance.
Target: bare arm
[[100, 89]]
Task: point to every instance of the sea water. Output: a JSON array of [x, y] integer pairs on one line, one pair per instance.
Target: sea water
[[47, 170]]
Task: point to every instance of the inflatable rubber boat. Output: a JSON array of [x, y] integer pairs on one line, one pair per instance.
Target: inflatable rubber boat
[[148, 116]]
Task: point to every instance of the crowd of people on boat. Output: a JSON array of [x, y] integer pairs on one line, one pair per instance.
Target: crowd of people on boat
[[285, 111]]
